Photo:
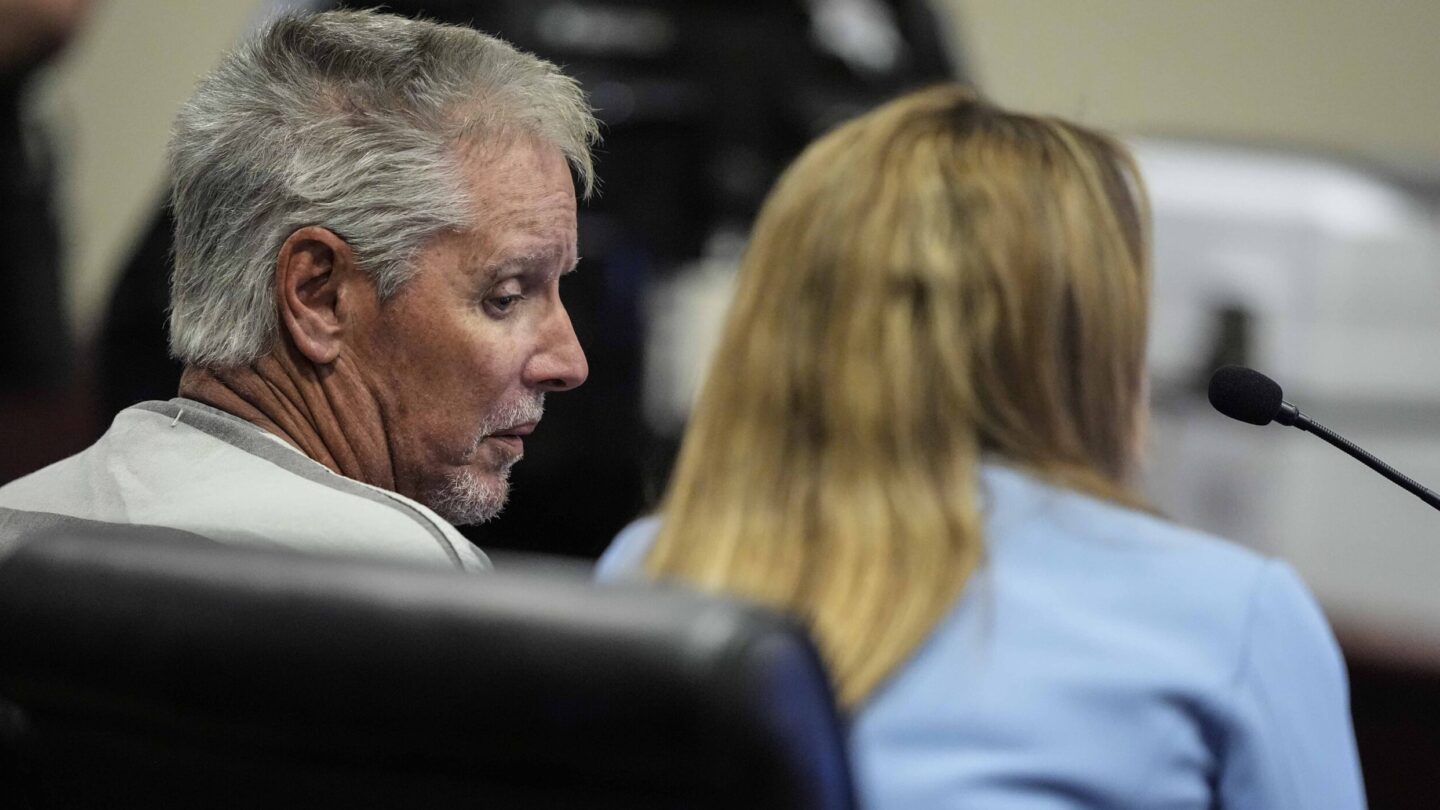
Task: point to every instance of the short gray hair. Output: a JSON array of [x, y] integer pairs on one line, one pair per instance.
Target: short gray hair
[[347, 120]]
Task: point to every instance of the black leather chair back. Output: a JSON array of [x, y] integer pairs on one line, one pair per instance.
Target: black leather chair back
[[175, 673]]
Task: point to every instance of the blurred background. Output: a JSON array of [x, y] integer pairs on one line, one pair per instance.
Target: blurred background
[[1292, 152]]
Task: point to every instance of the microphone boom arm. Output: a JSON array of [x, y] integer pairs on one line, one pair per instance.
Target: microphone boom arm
[[1409, 484]]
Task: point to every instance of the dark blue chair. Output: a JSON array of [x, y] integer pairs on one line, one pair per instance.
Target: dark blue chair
[[166, 673]]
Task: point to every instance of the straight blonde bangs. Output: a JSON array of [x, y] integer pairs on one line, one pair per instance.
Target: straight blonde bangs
[[931, 282]]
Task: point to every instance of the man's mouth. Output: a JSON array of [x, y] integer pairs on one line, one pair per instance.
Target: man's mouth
[[513, 438]]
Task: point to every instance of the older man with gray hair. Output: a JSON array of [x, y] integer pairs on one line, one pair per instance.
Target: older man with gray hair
[[372, 218]]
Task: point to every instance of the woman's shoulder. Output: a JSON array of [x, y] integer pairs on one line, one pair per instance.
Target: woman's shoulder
[[1172, 590], [625, 557], [1112, 646], [1077, 596], [1029, 520]]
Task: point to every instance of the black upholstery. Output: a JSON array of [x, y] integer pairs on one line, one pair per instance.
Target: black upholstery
[[175, 673]]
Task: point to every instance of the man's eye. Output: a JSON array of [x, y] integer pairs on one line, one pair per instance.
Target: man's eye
[[503, 303]]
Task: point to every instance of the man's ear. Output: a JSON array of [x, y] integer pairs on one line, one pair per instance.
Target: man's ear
[[315, 279]]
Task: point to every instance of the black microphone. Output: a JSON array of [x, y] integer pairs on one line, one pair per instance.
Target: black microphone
[[1249, 396]]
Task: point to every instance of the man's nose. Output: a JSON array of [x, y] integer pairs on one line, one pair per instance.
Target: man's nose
[[560, 363]]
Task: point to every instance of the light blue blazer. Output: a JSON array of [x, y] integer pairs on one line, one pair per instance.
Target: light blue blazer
[[1104, 658]]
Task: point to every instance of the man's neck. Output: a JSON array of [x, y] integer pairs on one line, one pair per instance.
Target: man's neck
[[320, 412]]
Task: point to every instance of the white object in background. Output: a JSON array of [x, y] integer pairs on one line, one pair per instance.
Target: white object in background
[[684, 316], [1337, 274]]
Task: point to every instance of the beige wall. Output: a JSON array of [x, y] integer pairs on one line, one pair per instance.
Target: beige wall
[[110, 102], [1355, 77], [1341, 74]]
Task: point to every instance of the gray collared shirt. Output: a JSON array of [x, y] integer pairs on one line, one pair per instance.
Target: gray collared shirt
[[181, 466]]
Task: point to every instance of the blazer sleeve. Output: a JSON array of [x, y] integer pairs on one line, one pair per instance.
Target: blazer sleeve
[[1291, 743]]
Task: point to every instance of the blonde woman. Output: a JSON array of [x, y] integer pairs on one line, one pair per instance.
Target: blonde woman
[[919, 435]]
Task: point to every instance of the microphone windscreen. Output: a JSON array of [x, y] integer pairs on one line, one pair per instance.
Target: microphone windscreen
[[1245, 394]]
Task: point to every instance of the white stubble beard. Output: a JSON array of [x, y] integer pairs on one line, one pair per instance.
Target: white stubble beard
[[469, 497]]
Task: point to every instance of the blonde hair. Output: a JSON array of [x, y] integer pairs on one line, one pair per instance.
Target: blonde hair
[[936, 280]]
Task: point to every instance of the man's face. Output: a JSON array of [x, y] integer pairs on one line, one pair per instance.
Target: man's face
[[460, 359]]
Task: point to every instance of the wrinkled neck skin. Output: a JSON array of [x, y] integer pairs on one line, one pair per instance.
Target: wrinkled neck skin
[[322, 411]]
